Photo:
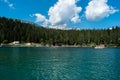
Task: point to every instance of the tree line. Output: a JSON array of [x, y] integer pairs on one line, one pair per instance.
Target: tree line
[[17, 30]]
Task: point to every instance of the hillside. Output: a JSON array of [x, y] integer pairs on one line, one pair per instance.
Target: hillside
[[16, 30]]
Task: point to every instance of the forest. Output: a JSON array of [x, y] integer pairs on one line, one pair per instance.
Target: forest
[[18, 30]]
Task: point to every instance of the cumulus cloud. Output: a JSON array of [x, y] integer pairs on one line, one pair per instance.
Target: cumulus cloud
[[98, 9], [40, 18], [63, 27], [11, 5], [75, 19], [64, 11], [61, 13]]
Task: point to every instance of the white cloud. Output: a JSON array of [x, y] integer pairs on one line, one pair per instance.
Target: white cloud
[[62, 27], [98, 9], [11, 5], [75, 19], [40, 18], [64, 11], [60, 14]]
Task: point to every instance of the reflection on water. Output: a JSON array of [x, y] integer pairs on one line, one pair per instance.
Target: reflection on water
[[59, 64]]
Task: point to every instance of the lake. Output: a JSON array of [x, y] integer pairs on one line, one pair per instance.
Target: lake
[[46, 63]]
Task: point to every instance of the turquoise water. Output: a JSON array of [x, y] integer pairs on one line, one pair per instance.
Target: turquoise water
[[59, 64]]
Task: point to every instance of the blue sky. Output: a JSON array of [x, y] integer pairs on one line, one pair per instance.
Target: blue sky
[[85, 14]]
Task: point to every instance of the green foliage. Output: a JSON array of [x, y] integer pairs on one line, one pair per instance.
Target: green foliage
[[16, 30], [5, 42]]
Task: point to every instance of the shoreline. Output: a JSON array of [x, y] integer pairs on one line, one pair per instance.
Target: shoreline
[[55, 46]]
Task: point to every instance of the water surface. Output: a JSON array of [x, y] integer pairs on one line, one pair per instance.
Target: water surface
[[59, 63]]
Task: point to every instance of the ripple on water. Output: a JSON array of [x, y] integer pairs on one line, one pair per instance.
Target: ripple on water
[[60, 64]]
